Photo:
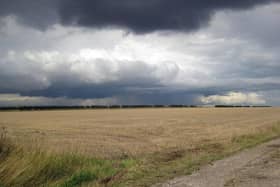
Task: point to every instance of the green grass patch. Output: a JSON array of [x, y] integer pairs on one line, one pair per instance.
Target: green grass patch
[[79, 178]]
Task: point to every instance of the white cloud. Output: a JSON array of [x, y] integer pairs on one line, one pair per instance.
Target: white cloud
[[234, 98], [87, 66]]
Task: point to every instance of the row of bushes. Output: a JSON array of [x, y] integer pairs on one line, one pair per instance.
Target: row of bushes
[[26, 108]]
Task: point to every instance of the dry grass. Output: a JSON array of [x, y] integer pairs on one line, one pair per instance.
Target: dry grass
[[135, 132]]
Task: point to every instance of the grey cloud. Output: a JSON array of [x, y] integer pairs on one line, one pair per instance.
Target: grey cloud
[[153, 68], [258, 25], [36, 13], [7, 100]]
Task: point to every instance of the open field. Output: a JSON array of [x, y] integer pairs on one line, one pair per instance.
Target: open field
[[139, 146], [135, 131]]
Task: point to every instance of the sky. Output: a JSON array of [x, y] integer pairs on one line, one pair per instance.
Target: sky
[[107, 52]]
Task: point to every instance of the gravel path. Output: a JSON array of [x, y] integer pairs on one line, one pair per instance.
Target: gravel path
[[256, 167]]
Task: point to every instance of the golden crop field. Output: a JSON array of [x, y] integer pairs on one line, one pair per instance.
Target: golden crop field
[[113, 132]]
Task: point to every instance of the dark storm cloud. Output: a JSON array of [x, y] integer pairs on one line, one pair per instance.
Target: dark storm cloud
[[147, 15], [140, 16]]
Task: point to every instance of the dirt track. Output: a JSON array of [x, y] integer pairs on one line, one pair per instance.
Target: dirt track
[[256, 167]]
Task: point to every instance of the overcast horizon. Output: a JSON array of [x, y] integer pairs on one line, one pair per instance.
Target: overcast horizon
[[139, 52]]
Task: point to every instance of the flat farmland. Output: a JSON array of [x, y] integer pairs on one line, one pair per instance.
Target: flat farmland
[[114, 132]]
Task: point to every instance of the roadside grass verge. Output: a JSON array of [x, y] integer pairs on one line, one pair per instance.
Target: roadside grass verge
[[37, 169], [26, 168]]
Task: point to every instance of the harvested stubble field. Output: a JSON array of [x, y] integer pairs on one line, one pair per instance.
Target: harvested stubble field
[[154, 144], [135, 131]]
